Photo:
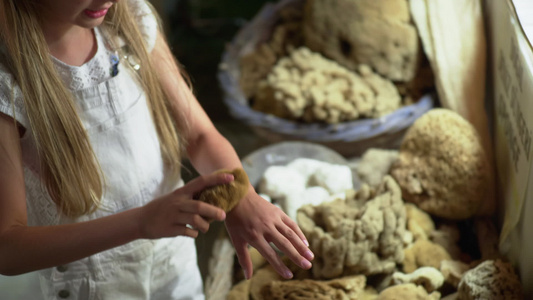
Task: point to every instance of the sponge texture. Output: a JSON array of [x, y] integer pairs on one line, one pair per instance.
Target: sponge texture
[[227, 196]]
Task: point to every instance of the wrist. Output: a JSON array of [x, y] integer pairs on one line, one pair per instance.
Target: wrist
[[134, 223], [251, 190], [244, 202]]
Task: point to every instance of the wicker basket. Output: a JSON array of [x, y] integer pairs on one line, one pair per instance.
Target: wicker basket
[[349, 138]]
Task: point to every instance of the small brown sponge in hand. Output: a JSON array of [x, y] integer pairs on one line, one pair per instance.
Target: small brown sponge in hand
[[226, 196]]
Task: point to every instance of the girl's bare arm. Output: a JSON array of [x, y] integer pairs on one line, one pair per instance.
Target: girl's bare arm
[[253, 221]]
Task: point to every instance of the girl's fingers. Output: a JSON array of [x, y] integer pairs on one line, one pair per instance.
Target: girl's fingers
[[295, 240], [292, 225], [200, 183], [272, 257], [286, 243], [183, 231], [203, 209], [196, 221], [241, 248]]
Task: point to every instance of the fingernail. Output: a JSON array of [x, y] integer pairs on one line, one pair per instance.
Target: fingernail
[[288, 274], [223, 215], [229, 177], [245, 274], [306, 264], [309, 255], [306, 242]]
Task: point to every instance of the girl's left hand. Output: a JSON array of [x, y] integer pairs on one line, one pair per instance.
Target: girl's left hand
[[256, 222]]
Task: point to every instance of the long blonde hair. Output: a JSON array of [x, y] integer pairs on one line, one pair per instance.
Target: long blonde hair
[[70, 169]]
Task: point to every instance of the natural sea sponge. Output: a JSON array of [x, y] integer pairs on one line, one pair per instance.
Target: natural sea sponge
[[254, 67], [493, 279], [240, 291], [376, 33], [363, 235], [260, 279], [453, 271], [286, 35], [424, 253], [342, 288], [419, 223], [442, 167], [227, 196], [308, 87], [428, 277], [304, 181], [375, 164], [407, 291]]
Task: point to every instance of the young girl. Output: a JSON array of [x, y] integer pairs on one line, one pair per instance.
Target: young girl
[[94, 115]]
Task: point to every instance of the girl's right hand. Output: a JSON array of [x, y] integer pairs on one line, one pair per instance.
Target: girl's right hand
[[169, 215]]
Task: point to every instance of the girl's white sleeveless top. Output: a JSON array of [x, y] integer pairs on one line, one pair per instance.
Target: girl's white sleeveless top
[[114, 111]]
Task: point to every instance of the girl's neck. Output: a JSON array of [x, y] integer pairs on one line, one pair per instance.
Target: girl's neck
[[73, 45]]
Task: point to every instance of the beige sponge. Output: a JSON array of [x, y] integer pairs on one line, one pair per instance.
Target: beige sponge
[[227, 196], [442, 167]]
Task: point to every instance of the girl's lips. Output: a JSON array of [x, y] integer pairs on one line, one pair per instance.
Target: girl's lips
[[95, 14]]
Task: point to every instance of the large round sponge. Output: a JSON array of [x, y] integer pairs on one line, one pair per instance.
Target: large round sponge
[[442, 167]]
